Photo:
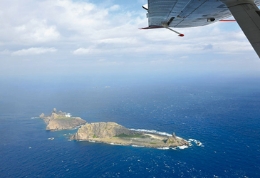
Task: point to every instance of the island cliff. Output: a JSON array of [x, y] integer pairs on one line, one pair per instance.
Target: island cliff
[[61, 121], [113, 133]]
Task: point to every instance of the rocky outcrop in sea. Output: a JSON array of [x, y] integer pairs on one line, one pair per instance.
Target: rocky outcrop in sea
[[110, 132], [59, 120], [113, 133]]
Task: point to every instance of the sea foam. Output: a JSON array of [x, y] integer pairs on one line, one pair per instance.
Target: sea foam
[[152, 131]]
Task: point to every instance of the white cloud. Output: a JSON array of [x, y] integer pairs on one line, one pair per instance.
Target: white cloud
[[4, 52], [82, 51], [123, 40], [78, 28], [33, 51], [37, 31], [114, 8]]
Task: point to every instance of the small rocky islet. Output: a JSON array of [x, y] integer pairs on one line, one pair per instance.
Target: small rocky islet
[[59, 120], [109, 132]]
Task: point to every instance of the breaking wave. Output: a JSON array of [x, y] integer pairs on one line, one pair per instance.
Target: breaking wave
[[197, 142], [136, 146], [164, 148], [152, 131], [183, 147]]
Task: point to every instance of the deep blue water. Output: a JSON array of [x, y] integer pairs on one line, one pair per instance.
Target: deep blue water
[[223, 113]]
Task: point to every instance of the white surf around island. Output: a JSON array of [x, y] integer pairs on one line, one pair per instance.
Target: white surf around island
[[190, 141], [152, 131], [92, 141], [164, 148], [183, 147], [197, 142], [137, 146], [115, 144]]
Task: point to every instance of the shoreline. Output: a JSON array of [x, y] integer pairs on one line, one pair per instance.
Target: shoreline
[[113, 133]]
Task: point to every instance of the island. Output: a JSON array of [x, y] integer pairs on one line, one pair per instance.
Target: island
[[113, 133], [59, 120]]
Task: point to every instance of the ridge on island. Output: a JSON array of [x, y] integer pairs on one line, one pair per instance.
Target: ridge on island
[[113, 133], [61, 121]]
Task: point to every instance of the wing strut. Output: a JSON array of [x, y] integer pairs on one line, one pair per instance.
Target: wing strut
[[163, 26], [180, 34], [247, 16], [166, 25]]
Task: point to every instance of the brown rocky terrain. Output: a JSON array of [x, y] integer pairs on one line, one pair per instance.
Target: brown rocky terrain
[[109, 132], [113, 133], [61, 121]]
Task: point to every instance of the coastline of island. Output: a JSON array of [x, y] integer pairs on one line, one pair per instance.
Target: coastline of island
[[112, 133]]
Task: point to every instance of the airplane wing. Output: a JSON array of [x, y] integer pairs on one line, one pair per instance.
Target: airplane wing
[[192, 13], [247, 16], [185, 13]]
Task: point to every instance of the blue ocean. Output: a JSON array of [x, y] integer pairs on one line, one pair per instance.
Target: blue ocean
[[221, 112]]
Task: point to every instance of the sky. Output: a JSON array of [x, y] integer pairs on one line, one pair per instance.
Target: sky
[[78, 37]]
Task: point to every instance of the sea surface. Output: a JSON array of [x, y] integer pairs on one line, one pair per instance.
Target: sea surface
[[222, 113]]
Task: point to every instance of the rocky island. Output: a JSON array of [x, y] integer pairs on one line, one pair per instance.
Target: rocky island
[[113, 133], [110, 132], [59, 120]]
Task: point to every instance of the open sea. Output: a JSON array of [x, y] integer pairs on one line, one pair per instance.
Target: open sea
[[222, 113]]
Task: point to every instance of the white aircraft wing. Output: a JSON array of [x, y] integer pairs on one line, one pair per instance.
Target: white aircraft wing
[[185, 13], [247, 16], [192, 13]]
